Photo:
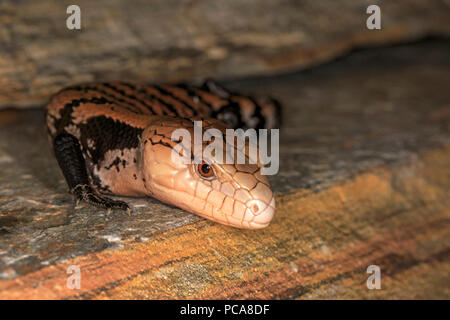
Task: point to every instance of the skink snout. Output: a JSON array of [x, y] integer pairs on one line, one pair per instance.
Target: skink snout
[[259, 214]]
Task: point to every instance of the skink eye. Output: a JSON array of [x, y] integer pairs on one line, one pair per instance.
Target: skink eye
[[205, 170]]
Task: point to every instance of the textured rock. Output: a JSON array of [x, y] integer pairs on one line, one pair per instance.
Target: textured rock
[[167, 40], [364, 179]]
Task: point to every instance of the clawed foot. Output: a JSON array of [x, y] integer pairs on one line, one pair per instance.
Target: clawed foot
[[84, 192]]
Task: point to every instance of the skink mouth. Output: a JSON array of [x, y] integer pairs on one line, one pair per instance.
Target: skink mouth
[[257, 215], [254, 214]]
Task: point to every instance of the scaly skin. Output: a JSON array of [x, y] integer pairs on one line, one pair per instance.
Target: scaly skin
[[115, 138]]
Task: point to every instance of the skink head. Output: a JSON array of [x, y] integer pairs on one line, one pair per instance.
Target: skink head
[[234, 194]]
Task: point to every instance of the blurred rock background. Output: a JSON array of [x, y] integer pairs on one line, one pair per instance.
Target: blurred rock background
[[185, 40]]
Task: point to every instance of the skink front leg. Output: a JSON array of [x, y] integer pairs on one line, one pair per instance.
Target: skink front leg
[[70, 159]]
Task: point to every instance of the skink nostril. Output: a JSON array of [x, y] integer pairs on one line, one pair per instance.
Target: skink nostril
[[256, 206]]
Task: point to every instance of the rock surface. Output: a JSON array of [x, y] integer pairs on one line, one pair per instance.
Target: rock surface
[[364, 179], [167, 40]]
